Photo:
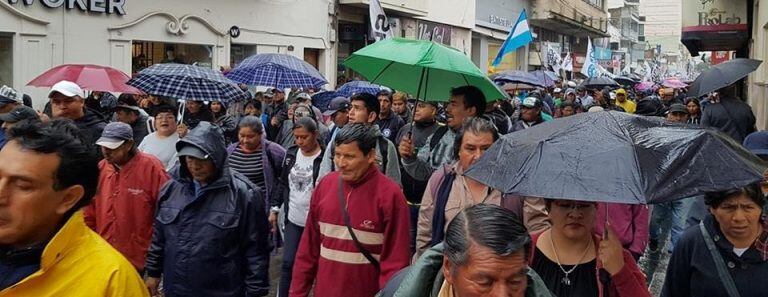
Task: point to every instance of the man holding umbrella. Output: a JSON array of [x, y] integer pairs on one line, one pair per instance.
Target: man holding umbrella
[[730, 115]]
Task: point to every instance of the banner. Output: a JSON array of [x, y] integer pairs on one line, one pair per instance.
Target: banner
[[567, 62], [553, 58], [380, 28], [589, 69]]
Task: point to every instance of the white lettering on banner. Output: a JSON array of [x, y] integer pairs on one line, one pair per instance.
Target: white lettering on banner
[[97, 6]]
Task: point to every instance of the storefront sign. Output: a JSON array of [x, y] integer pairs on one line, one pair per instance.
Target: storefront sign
[[501, 21], [351, 32], [714, 25], [234, 31], [434, 32], [94, 6], [720, 57]]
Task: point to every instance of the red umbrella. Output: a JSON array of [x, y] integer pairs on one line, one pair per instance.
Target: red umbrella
[[88, 77]]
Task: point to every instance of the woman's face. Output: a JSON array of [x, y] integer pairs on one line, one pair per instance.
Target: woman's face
[[249, 138], [575, 219], [216, 107], [194, 106], [305, 140], [739, 217], [250, 109], [693, 109]]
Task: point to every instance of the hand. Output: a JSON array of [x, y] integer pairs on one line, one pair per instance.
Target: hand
[[273, 221], [611, 252], [182, 130], [406, 147], [43, 117], [144, 103], [153, 284], [273, 121]]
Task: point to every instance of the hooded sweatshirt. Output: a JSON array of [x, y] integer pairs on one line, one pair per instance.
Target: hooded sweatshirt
[[391, 170]]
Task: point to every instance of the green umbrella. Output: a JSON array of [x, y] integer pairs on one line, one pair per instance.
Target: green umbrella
[[424, 68]]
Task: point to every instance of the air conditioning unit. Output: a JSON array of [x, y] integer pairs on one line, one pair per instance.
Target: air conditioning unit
[[641, 38], [642, 18]]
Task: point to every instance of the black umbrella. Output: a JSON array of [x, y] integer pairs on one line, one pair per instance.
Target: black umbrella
[[599, 82], [626, 81], [722, 75], [616, 157]]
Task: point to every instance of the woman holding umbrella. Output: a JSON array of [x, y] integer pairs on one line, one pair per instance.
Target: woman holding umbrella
[[727, 254], [574, 262]]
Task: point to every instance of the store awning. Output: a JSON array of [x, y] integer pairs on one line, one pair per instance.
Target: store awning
[[568, 26], [491, 33], [724, 37]]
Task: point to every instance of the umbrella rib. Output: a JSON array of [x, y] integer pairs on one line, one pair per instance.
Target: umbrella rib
[[382, 72], [465, 78]]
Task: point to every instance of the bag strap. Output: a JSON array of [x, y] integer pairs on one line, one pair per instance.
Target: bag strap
[[441, 201], [384, 151], [731, 119], [437, 136], [359, 245], [725, 277]]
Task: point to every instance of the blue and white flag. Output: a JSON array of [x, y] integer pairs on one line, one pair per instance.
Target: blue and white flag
[[589, 68], [518, 37]]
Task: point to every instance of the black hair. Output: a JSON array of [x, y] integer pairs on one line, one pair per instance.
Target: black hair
[[753, 191], [365, 137], [568, 104], [251, 122], [256, 104], [306, 123], [78, 162], [384, 93], [371, 102], [473, 97], [476, 125], [694, 100], [165, 108], [486, 225]]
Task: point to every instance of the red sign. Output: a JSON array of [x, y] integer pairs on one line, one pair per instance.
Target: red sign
[[720, 57]]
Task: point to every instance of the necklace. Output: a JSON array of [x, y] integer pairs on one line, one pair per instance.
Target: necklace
[[567, 281]]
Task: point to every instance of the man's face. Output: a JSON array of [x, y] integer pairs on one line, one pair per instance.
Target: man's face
[[202, 170], [194, 106], [473, 146], [558, 95], [359, 114], [568, 111], [279, 98], [155, 100], [486, 274], [571, 97], [399, 106], [530, 114], [126, 116], [385, 104], [425, 112], [165, 123], [118, 156], [352, 164], [66, 107], [30, 207], [341, 118], [457, 111], [677, 117], [582, 93], [250, 109]]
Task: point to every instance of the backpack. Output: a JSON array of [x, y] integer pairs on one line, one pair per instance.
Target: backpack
[[437, 136]]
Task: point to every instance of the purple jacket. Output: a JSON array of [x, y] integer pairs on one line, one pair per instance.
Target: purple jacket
[[629, 221], [272, 160]]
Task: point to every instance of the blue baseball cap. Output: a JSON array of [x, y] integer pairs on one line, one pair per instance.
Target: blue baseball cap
[[115, 134], [757, 143]]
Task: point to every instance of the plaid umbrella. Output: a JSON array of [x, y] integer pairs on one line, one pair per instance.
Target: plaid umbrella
[[187, 82], [355, 87], [321, 100], [277, 70]]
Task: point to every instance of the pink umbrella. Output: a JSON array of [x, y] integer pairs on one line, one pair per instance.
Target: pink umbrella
[[88, 77], [644, 86], [673, 83]]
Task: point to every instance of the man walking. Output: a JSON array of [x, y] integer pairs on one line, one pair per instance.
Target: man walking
[[46, 176], [210, 232], [729, 115], [356, 235], [388, 122], [67, 102], [123, 209]]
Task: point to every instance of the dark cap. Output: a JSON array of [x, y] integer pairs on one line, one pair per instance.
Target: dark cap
[[115, 134], [337, 104], [677, 107], [531, 102], [192, 151], [757, 143], [19, 113], [129, 107]]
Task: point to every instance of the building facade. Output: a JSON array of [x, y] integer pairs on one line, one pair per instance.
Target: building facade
[[663, 19], [628, 41], [758, 81], [493, 21], [131, 35]]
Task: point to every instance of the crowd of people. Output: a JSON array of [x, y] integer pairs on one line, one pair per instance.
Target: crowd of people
[[138, 195]]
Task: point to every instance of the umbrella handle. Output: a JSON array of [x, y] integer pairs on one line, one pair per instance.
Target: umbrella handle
[[182, 110]]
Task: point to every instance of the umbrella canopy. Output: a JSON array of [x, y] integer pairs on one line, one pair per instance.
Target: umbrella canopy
[[424, 68], [519, 77], [187, 82], [321, 100], [359, 86], [625, 80], [599, 82], [722, 75], [277, 70], [616, 157], [548, 77], [88, 77], [673, 83], [645, 86]]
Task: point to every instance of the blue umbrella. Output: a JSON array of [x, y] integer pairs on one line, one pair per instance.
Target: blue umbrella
[[359, 86], [277, 70], [519, 77], [187, 82], [321, 100], [548, 77]]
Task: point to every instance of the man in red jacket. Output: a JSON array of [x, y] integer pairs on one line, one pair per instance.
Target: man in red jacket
[[356, 197], [123, 209]]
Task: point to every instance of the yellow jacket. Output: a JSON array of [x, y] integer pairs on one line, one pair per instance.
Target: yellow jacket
[[78, 262]]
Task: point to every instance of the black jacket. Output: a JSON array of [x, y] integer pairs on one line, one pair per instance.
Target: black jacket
[[390, 126], [290, 159], [692, 272], [214, 241], [413, 188], [91, 125], [731, 116]]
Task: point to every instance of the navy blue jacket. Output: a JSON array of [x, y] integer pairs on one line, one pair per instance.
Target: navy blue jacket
[[213, 242], [692, 272]]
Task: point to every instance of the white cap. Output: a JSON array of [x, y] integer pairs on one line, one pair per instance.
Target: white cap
[[595, 109], [572, 84], [558, 90], [67, 88]]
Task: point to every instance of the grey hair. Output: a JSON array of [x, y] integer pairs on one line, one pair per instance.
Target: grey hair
[[251, 122], [486, 225], [475, 125]]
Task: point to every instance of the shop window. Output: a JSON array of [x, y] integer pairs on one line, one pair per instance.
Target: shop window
[[6, 59], [239, 52], [148, 53], [312, 56]]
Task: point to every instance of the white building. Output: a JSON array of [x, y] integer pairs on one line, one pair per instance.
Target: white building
[[133, 34], [663, 20]]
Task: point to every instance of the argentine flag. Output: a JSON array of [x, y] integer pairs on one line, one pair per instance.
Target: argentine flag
[[519, 36]]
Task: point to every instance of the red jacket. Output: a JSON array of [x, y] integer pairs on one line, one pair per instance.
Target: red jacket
[[630, 221], [123, 209], [629, 282], [328, 257]]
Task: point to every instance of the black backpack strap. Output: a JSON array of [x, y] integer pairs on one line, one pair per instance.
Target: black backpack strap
[[384, 150], [437, 136], [360, 247]]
